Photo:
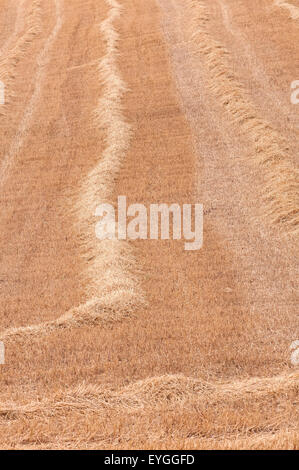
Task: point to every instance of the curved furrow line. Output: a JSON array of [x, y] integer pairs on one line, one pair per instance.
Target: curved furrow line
[[280, 191], [114, 292]]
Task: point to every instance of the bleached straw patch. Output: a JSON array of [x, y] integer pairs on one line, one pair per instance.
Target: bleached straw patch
[[280, 191], [294, 348], [292, 9]]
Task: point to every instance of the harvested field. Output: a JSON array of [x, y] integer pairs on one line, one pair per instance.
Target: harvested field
[[142, 344]]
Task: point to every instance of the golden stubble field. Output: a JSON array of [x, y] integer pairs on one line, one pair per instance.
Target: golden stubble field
[[119, 344]]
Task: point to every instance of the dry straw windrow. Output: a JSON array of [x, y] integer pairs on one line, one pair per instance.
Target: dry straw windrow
[[9, 57], [111, 273], [25, 123], [293, 10], [280, 181], [154, 392], [113, 291]]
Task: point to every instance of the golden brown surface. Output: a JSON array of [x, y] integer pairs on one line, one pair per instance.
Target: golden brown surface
[[162, 101]]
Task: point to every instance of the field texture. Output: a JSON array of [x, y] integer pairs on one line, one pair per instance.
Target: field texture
[[117, 344]]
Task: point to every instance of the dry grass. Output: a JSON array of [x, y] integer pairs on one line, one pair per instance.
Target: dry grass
[[193, 369]]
